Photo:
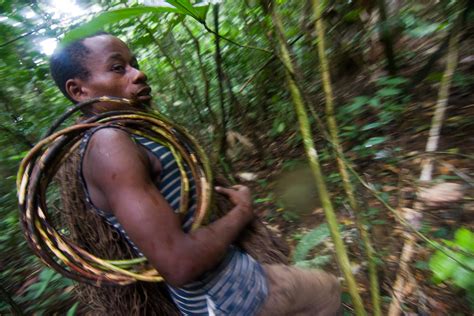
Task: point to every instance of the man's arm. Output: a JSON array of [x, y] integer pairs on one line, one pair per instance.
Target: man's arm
[[116, 168]]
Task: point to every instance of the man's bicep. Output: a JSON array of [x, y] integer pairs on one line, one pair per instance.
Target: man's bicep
[[148, 219]]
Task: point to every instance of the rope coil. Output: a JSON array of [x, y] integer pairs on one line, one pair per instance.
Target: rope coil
[[42, 162]]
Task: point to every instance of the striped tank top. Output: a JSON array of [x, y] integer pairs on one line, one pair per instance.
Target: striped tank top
[[237, 286]]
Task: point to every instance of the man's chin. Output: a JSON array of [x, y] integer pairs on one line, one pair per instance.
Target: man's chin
[[141, 102], [144, 100]]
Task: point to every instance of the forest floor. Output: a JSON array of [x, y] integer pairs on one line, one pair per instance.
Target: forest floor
[[292, 214]]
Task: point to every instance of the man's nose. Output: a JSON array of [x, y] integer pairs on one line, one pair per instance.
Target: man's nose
[[139, 76]]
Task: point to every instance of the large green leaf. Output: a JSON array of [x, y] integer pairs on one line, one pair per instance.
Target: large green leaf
[[442, 266], [316, 262], [388, 92], [198, 12], [110, 17], [465, 239], [375, 141], [72, 310], [463, 278], [45, 277], [309, 241]]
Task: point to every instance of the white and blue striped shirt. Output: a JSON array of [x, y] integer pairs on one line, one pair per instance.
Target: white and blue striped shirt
[[237, 286]]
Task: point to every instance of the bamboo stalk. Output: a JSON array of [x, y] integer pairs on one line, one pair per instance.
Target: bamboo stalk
[[313, 160], [334, 135], [427, 164]]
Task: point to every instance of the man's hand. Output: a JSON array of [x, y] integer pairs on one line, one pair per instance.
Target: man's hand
[[241, 197]]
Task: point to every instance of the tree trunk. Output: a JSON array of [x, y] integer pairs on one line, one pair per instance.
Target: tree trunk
[[386, 37], [221, 141], [204, 75]]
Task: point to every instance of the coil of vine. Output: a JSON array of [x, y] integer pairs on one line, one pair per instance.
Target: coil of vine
[[42, 162]]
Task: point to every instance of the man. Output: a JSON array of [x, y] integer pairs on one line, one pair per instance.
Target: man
[[132, 182]]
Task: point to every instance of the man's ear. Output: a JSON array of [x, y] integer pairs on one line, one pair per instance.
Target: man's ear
[[76, 90]]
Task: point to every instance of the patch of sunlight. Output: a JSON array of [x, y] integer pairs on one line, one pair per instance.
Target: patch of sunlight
[[65, 8], [48, 46]]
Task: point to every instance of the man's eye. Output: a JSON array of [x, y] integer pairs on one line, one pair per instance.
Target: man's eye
[[118, 68]]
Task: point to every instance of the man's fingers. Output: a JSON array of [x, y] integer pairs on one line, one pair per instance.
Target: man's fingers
[[232, 189], [223, 190], [238, 187]]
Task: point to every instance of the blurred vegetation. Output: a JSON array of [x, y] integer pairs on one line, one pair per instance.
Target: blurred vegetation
[[445, 268], [386, 60]]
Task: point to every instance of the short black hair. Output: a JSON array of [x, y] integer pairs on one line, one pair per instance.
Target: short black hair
[[68, 62]]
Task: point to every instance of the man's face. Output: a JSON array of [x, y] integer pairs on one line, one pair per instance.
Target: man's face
[[113, 72]]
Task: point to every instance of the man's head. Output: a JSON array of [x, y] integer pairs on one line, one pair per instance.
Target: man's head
[[99, 65]]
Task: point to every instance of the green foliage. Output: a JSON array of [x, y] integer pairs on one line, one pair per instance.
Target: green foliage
[[289, 216], [50, 293], [460, 271], [383, 107], [316, 262], [463, 81], [110, 17], [309, 241], [73, 309], [185, 6], [371, 212], [292, 164], [417, 28], [261, 110], [347, 301], [278, 127], [334, 178]]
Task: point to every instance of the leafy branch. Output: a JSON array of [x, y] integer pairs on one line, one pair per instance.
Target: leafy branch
[[183, 7]]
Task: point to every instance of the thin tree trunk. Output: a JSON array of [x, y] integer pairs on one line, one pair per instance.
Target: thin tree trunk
[[386, 37], [236, 106], [203, 72], [220, 78], [427, 166], [313, 159], [424, 71], [334, 134], [187, 91]]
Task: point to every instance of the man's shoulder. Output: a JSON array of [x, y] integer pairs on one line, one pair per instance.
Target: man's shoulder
[[110, 143], [110, 135], [112, 149]]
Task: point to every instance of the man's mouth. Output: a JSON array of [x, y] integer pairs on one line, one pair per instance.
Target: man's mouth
[[143, 94]]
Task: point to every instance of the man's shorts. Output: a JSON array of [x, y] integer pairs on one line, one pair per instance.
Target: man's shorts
[[297, 292]]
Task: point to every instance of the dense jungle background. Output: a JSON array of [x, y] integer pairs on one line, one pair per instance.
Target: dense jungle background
[[361, 109]]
